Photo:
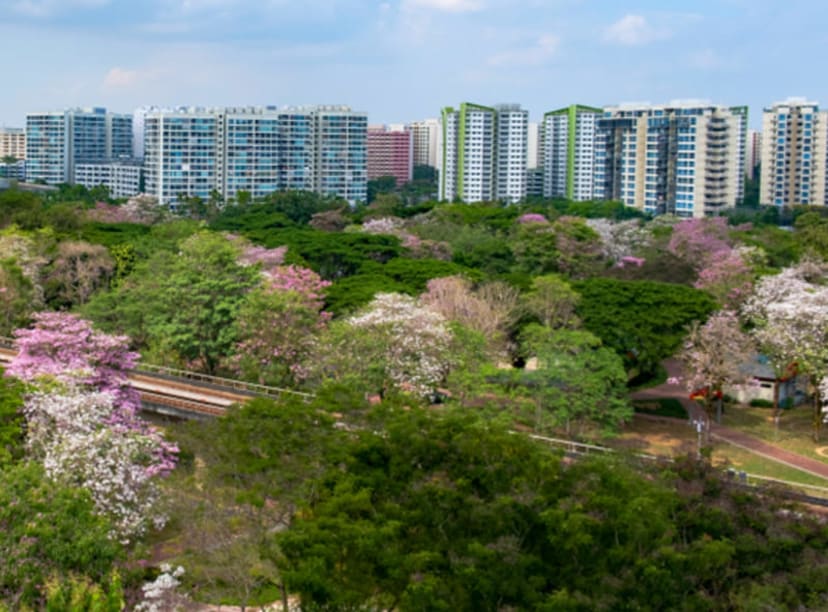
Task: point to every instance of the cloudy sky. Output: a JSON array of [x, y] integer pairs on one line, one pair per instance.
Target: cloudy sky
[[402, 60]]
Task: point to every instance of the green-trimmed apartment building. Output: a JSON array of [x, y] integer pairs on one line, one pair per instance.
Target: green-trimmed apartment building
[[568, 152], [484, 152]]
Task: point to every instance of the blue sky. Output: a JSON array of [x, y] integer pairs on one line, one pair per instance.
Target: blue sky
[[402, 60]]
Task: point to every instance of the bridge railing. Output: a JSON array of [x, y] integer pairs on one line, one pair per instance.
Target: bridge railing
[[219, 381]]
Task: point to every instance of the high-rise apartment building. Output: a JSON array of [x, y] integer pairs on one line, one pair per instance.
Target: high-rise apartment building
[[56, 141], [390, 152], [511, 152], [12, 143], [484, 153], [196, 152], [123, 178], [793, 159], [569, 152], [533, 143], [341, 162], [426, 136], [181, 154], [685, 158]]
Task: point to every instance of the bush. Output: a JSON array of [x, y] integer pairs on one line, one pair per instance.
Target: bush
[[666, 407], [761, 403]]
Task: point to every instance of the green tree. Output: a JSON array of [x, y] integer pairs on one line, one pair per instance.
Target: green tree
[[551, 301], [184, 304], [577, 382], [11, 421], [426, 516], [48, 531], [643, 321], [383, 184]]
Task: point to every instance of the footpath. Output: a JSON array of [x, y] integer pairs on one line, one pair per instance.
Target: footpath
[[728, 434]]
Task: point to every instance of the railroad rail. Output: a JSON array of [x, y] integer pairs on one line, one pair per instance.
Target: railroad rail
[[183, 393]]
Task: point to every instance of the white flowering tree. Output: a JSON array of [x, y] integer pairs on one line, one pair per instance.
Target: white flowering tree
[[789, 315], [395, 342], [68, 430], [714, 356], [621, 239]]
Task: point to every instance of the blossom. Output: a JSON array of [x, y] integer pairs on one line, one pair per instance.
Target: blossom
[[532, 218], [69, 431], [417, 353], [383, 225]]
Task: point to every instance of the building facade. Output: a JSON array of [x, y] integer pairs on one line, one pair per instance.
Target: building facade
[[57, 141], [484, 153], [122, 178], [793, 158], [427, 138], [258, 150], [533, 144], [511, 152], [13, 143], [390, 153], [684, 158], [569, 152]]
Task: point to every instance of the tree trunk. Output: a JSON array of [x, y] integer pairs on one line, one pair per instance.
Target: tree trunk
[[283, 591]]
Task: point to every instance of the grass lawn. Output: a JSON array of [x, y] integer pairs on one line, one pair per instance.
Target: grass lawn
[[669, 438], [794, 432]]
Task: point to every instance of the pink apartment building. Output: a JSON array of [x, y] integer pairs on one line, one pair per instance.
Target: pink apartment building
[[390, 153]]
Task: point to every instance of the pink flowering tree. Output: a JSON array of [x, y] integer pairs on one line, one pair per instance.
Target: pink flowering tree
[[82, 417], [278, 324], [728, 277], [63, 347], [253, 255], [532, 218], [696, 241], [303, 281]]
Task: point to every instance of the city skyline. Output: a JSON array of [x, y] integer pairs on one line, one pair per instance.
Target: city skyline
[[402, 60]]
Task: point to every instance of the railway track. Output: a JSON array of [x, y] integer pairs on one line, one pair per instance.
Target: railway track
[[184, 394]]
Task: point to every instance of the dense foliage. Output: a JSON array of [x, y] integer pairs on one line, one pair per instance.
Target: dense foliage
[[415, 339], [446, 511]]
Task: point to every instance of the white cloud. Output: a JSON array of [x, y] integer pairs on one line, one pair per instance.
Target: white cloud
[[448, 6], [542, 50], [633, 30], [118, 77]]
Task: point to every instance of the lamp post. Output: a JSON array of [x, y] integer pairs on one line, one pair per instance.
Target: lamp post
[[699, 425]]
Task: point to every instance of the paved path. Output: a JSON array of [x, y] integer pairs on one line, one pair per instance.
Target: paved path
[[728, 434]]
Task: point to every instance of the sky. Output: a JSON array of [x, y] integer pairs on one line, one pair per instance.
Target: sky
[[403, 60]]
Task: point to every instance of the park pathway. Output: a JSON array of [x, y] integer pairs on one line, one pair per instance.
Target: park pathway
[[728, 434]]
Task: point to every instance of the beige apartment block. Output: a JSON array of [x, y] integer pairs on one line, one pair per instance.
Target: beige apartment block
[[13, 143], [793, 159], [685, 158]]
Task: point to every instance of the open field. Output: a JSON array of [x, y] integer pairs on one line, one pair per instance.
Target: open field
[[793, 433], [671, 438]]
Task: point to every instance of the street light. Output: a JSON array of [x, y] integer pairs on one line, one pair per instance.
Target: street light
[[699, 424]]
